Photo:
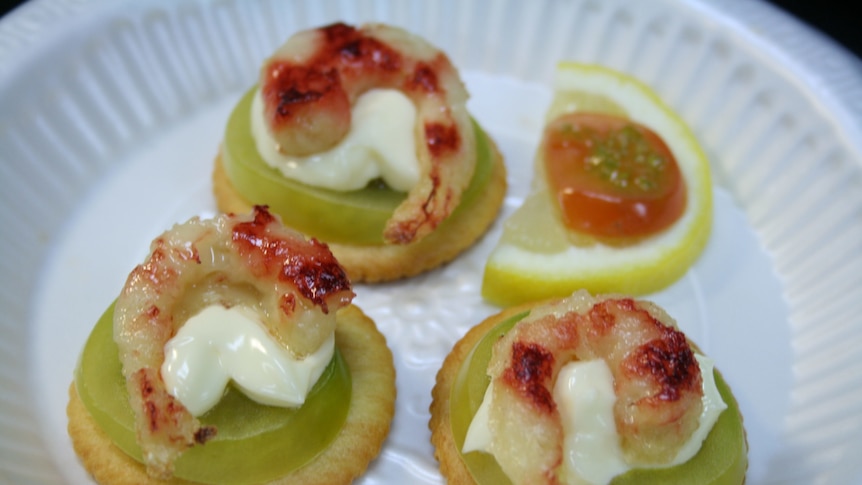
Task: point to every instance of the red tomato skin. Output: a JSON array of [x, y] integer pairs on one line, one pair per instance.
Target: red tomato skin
[[612, 178]]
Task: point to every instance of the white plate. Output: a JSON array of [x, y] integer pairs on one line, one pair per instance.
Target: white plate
[[111, 113]]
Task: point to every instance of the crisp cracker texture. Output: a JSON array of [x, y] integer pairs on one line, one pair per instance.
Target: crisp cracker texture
[[388, 262], [365, 429]]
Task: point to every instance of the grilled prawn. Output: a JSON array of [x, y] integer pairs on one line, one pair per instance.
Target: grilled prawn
[[311, 82], [295, 284], [657, 382]]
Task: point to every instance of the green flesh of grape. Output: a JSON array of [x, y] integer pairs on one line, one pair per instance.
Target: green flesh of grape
[[722, 458], [255, 443], [355, 217]]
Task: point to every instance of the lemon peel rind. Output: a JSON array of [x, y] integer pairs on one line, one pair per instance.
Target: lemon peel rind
[[506, 284], [516, 275]]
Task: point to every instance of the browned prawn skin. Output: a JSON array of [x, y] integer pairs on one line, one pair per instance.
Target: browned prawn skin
[[295, 284], [307, 266], [309, 85], [657, 382]]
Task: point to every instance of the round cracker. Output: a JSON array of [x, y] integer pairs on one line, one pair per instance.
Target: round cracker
[[388, 262], [372, 407], [446, 450]]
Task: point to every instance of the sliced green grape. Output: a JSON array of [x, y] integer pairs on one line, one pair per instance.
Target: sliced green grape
[[722, 458], [255, 443], [354, 217], [468, 391]]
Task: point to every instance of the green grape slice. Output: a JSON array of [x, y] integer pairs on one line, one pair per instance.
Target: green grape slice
[[255, 443], [354, 217], [722, 458]]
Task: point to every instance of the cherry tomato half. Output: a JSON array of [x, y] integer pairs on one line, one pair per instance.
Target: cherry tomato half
[[612, 177]]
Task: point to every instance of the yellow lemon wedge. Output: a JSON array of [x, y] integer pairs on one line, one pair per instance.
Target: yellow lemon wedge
[[539, 257]]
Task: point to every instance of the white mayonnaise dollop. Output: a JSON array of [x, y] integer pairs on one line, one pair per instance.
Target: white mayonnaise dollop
[[585, 397], [219, 345], [380, 144]]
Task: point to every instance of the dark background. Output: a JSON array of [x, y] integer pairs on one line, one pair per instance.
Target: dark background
[[837, 19]]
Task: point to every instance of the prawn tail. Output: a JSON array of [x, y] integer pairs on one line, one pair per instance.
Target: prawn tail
[[413, 221], [165, 427], [439, 192]]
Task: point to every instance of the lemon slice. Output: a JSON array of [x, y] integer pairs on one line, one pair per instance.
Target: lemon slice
[[537, 257]]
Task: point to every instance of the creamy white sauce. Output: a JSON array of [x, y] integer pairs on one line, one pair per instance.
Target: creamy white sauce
[[380, 144], [219, 345], [584, 392], [591, 447]]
